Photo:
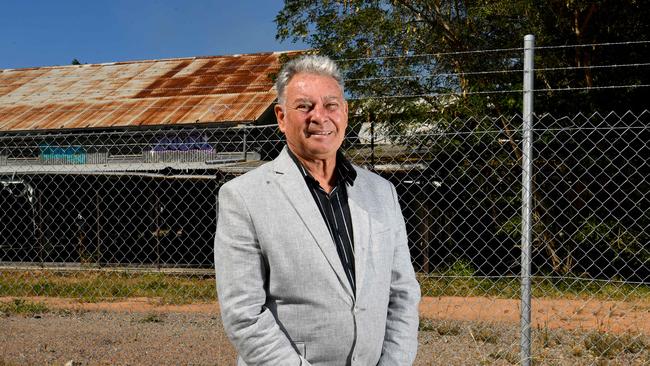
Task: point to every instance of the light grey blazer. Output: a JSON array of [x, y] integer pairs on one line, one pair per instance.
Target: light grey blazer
[[284, 297]]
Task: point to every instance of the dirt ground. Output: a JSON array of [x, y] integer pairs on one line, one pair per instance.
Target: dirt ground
[[457, 331], [605, 316]]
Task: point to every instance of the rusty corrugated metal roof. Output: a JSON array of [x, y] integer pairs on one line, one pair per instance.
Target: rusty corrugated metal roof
[[140, 93]]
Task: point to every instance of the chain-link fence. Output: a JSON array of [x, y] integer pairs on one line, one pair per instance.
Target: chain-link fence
[[102, 215], [107, 215]]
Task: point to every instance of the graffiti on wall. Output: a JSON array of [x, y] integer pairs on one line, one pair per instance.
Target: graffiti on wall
[[62, 154]]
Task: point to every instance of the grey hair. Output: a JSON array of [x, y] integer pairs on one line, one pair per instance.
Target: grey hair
[[309, 64]]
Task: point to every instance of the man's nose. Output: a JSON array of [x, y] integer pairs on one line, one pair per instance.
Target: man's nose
[[318, 113]]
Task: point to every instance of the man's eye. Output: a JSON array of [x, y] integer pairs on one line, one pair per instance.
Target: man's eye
[[332, 106], [303, 107]]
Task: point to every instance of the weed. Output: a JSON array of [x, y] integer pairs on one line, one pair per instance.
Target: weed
[[68, 312], [93, 286], [461, 268], [23, 307], [577, 351], [462, 280], [443, 328], [546, 338], [634, 343], [602, 344], [607, 345], [426, 325], [152, 318], [601, 362], [507, 355], [448, 328], [484, 333]]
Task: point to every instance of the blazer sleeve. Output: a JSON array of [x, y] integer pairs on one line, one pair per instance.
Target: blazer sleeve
[[241, 276], [400, 341]]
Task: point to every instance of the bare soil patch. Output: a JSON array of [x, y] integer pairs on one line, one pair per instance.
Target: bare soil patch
[[605, 316], [454, 331]]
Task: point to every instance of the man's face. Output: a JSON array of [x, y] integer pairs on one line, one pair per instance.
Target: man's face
[[314, 116]]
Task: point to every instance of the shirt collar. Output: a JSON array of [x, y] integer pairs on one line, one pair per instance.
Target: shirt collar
[[344, 171]]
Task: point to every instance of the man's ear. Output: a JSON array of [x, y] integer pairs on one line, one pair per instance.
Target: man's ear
[[279, 116]]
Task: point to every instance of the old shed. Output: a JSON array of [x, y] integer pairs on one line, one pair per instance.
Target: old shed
[[114, 164]]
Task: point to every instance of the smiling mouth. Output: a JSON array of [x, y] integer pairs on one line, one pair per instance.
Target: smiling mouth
[[320, 133]]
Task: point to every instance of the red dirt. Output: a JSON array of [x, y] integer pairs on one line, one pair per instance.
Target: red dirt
[[607, 316]]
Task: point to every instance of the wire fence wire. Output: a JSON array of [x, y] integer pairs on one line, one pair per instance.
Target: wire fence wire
[[108, 215], [103, 215]]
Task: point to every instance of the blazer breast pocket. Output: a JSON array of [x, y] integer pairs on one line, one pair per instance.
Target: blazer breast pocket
[[382, 239], [381, 249]]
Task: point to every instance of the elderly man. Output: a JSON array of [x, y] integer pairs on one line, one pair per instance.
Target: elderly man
[[311, 253]]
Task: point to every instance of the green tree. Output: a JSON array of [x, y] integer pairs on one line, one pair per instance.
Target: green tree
[[457, 62], [372, 36]]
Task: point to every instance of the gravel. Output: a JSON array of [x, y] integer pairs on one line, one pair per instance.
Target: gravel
[[114, 338], [76, 338]]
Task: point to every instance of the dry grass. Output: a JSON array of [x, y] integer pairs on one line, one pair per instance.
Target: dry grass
[[94, 286], [22, 307], [608, 345]]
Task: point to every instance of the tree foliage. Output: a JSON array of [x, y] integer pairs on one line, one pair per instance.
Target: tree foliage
[[374, 36], [458, 63]]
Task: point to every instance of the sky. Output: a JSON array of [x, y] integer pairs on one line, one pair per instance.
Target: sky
[[54, 32]]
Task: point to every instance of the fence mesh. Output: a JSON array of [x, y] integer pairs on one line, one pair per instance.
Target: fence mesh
[[117, 214]]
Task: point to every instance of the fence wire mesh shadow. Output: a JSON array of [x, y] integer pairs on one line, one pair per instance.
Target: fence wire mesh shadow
[[104, 216]]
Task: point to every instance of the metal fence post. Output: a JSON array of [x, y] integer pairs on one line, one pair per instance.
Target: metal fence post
[[526, 200], [245, 144]]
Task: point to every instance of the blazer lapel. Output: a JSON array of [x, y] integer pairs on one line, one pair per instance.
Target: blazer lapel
[[360, 231], [292, 185]]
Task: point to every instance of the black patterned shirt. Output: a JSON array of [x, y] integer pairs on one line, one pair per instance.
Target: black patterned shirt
[[335, 210]]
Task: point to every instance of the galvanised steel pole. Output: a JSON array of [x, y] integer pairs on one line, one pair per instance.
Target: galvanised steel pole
[[526, 200]]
